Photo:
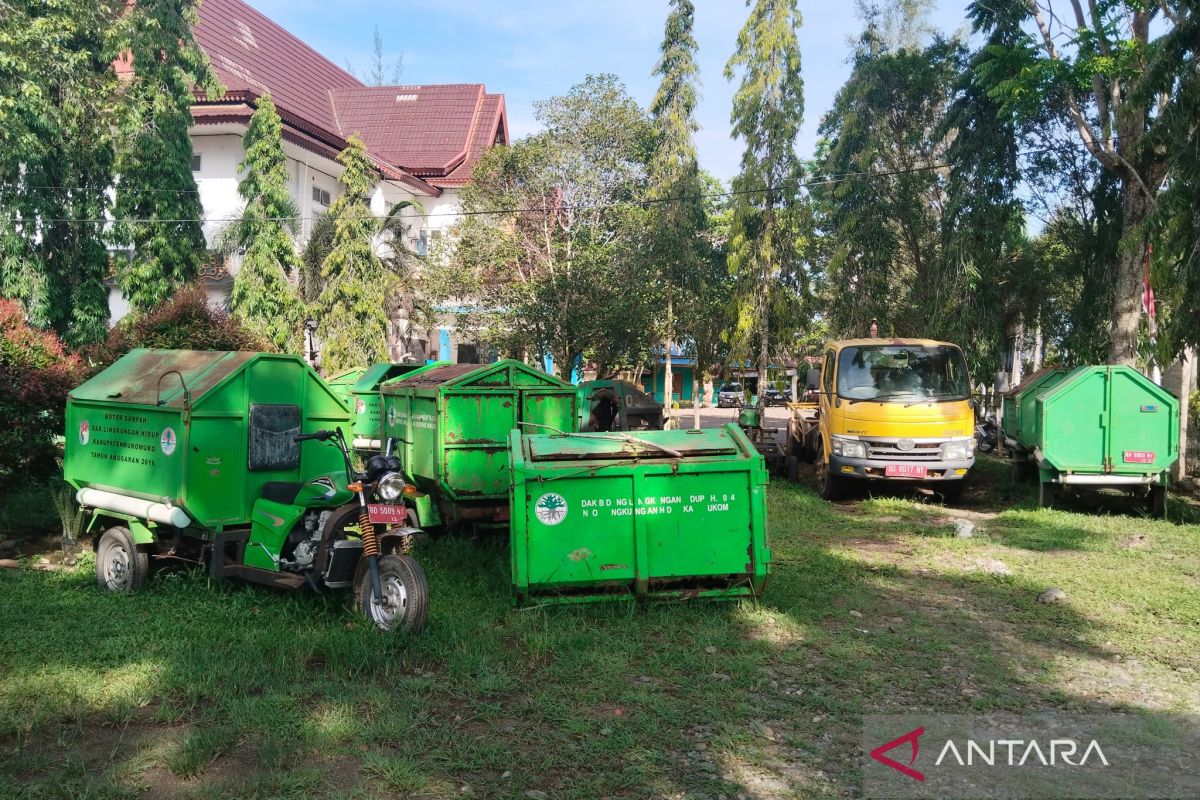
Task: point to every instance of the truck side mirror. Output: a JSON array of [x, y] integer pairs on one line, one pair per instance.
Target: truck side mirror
[[812, 380]]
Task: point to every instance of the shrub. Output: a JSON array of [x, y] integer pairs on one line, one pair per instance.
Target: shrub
[[36, 373], [188, 321]]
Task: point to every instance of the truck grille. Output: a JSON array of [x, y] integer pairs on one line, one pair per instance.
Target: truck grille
[[921, 451]]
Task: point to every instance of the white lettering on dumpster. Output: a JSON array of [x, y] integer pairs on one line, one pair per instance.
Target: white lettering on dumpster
[[661, 505]]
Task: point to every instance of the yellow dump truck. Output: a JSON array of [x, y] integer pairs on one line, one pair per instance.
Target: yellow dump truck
[[886, 410]]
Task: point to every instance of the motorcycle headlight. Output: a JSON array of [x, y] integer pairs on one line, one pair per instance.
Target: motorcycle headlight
[[849, 448], [957, 450], [390, 486]]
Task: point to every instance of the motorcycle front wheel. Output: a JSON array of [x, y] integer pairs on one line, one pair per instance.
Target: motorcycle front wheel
[[405, 604]]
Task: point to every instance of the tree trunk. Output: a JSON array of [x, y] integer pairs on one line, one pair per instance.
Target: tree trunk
[[696, 396], [668, 378], [1127, 307]]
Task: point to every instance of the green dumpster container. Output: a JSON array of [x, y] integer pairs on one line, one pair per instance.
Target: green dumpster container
[[453, 423], [198, 432], [655, 514], [1104, 427], [359, 389], [1021, 400]]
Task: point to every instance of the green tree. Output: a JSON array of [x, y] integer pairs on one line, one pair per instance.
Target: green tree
[[380, 73], [351, 308], [768, 108], [262, 299], [1091, 70], [158, 208], [57, 96], [879, 193], [563, 273], [678, 213]]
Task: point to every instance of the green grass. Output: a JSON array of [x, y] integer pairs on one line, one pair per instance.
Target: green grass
[[193, 688]]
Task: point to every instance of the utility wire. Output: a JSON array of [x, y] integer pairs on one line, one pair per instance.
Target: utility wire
[[643, 202]]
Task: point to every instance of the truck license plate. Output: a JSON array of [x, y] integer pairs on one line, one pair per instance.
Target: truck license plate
[[905, 471], [1139, 457], [387, 514]]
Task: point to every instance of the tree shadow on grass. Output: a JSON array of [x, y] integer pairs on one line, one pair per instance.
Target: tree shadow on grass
[[243, 692]]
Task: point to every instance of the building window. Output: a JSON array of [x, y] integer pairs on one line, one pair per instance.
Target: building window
[[320, 196], [427, 240], [195, 162]]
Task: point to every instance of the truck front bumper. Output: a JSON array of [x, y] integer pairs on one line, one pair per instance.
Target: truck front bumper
[[876, 469]]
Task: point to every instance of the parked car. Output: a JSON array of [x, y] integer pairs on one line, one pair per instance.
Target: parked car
[[777, 397], [731, 395]]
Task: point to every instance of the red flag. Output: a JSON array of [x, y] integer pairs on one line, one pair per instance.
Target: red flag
[[1148, 293]]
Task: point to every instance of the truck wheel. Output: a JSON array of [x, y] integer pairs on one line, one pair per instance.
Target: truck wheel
[[1158, 502], [406, 591], [951, 491], [829, 486], [793, 469], [120, 566]]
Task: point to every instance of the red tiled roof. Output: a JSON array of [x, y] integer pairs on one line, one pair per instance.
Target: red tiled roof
[[490, 127], [425, 136]]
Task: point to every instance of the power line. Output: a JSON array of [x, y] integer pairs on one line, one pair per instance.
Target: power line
[[643, 202]]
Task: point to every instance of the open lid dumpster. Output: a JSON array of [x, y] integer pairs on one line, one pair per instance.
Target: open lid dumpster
[[613, 405], [453, 424]]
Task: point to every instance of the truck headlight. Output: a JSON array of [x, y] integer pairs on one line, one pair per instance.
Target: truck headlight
[[848, 448], [390, 486], [958, 450]]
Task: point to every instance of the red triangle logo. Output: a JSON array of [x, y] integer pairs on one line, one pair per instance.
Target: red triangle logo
[[912, 738]]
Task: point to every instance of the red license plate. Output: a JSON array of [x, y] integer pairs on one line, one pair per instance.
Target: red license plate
[[1139, 457], [905, 471], [387, 515]]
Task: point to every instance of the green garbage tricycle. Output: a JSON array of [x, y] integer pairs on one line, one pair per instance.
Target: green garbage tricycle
[[238, 462]]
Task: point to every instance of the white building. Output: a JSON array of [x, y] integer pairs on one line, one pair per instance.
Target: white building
[[424, 140]]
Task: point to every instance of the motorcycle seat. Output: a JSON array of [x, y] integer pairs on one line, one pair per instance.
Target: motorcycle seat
[[281, 491]]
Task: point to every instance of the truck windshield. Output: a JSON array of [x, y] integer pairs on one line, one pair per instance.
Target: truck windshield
[[903, 373]]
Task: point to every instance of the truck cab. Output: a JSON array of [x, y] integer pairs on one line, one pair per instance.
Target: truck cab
[[896, 410]]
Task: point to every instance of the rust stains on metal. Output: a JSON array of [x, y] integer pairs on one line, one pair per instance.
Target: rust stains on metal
[[434, 377]]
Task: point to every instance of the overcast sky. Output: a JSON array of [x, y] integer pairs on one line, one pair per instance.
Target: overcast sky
[[534, 49]]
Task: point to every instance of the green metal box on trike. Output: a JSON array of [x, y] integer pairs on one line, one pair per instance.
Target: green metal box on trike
[[236, 461]]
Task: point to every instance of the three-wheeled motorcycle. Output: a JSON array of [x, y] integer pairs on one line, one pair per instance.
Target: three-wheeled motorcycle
[[200, 457]]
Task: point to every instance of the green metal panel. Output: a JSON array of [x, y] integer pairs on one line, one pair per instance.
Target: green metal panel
[[193, 450], [1108, 420], [457, 420], [1019, 404], [607, 515]]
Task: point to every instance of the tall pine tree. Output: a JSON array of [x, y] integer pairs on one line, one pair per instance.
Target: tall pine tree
[[768, 108], [158, 208], [262, 299], [57, 91], [351, 306], [675, 176]]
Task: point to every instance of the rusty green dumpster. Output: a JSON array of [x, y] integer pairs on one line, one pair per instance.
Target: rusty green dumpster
[[651, 514], [359, 389], [452, 425], [197, 432]]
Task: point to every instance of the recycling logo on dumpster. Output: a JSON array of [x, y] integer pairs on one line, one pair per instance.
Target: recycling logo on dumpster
[[167, 441], [85, 432], [551, 508]]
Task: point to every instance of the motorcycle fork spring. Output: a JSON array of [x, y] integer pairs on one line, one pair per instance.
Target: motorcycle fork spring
[[366, 529]]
